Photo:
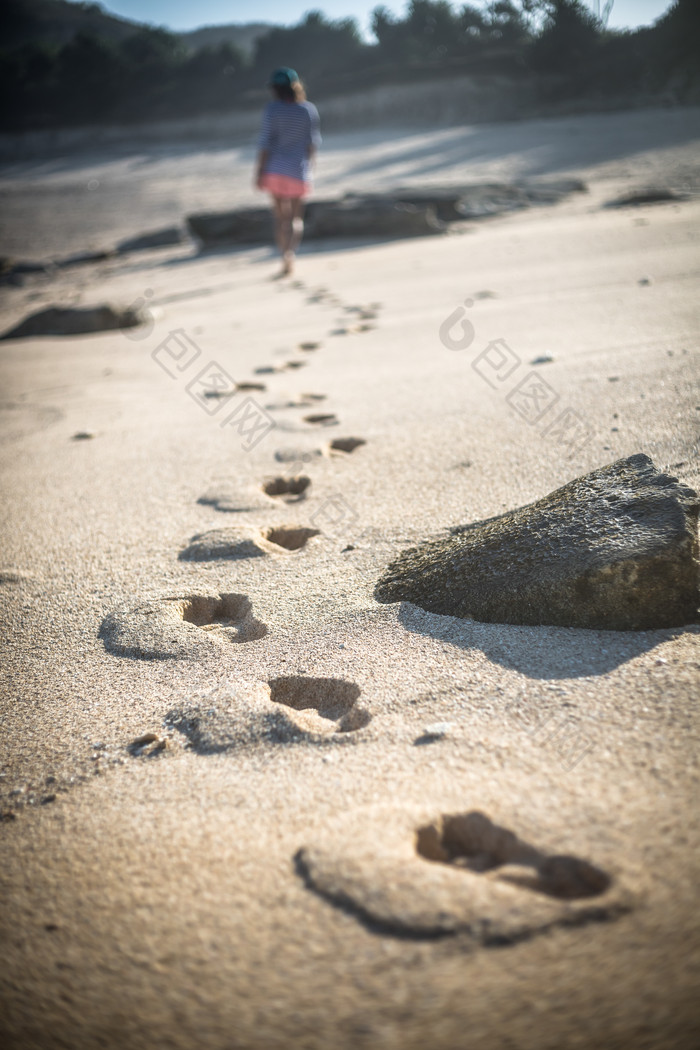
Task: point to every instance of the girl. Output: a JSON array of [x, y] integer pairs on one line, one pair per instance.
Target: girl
[[288, 141]]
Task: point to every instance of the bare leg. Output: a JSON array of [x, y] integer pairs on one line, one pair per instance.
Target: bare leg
[[281, 221], [297, 223], [284, 233]]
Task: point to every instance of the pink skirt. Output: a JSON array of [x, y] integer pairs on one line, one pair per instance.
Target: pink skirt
[[284, 185]]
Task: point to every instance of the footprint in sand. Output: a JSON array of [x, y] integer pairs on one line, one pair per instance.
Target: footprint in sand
[[188, 626], [16, 576], [290, 490], [303, 401], [320, 706], [288, 366], [345, 445], [320, 711], [474, 843], [363, 313], [309, 346], [230, 498], [237, 388], [237, 544], [459, 873], [322, 419], [289, 537], [297, 455], [353, 329]]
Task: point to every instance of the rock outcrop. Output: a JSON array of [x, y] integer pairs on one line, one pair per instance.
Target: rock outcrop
[[616, 549], [59, 321], [402, 212]]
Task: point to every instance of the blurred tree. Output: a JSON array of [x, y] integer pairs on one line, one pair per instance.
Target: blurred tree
[[90, 76], [506, 22], [569, 38], [316, 47]]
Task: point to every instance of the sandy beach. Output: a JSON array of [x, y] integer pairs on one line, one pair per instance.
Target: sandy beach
[[217, 885]]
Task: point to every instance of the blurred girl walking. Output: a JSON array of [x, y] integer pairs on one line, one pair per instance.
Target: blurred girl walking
[[289, 138]]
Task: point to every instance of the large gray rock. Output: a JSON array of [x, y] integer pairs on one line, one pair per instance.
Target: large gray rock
[[370, 217], [242, 226], [616, 549], [351, 217], [58, 320]]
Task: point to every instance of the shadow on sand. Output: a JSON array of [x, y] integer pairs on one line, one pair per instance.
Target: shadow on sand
[[541, 652]]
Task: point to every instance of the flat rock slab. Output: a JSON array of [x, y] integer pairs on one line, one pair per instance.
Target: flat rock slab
[[402, 212], [378, 217], [186, 626], [61, 321], [370, 217], [423, 874], [651, 195], [616, 549]]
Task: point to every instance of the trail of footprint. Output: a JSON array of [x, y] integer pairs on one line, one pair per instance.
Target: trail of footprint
[[288, 366], [181, 627], [296, 455], [345, 445], [461, 873], [234, 544], [322, 419], [291, 490], [473, 842], [320, 705], [235, 389], [322, 711], [304, 401]]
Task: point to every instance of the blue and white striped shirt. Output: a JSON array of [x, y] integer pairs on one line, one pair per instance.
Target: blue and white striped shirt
[[289, 130]]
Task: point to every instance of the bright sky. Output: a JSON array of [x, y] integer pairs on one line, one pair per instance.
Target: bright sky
[[190, 14]]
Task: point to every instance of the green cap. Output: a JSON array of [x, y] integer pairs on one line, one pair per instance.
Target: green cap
[[283, 77]]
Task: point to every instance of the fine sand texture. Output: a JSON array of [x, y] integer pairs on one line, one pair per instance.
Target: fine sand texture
[[244, 805]]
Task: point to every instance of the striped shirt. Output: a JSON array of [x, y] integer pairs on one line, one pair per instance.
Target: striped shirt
[[289, 130]]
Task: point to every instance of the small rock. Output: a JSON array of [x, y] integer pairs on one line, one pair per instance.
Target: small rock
[[147, 738], [82, 435], [148, 744], [433, 732], [543, 359]]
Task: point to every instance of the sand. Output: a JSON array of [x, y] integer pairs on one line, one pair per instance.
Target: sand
[[161, 894]]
